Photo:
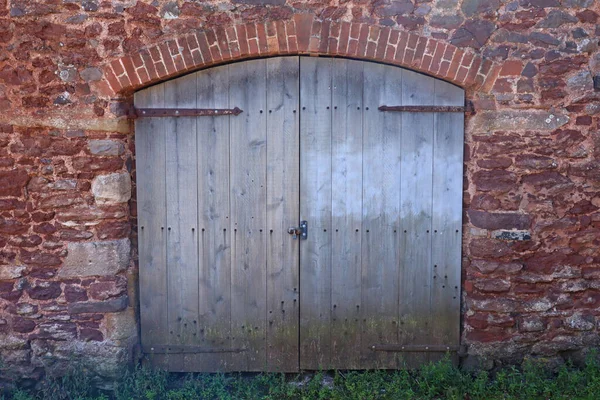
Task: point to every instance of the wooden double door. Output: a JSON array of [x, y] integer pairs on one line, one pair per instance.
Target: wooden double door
[[224, 286]]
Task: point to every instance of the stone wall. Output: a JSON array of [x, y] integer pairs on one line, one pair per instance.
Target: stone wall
[[531, 270]]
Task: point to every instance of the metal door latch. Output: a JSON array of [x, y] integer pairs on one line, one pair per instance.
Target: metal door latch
[[301, 231]]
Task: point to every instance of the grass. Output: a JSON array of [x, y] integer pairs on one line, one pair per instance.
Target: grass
[[434, 381]]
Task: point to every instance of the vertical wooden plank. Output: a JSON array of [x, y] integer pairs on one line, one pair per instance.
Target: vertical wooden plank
[[248, 141], [283, 212], [447, 217], [380, 211], [346, 164], [151, 203], [315, 207], [181, 190], [214, 261], [416, 215]]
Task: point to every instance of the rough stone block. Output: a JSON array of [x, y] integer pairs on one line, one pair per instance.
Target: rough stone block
[[509, 220], [104, 258], [106, 147], [11, 271], [580, 322], [532, 324], [507, 120], [120, 326], [511, 235], [108, 306], [11, 342], [112, 188]]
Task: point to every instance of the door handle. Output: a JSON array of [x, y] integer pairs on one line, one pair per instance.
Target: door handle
[[299, 231]]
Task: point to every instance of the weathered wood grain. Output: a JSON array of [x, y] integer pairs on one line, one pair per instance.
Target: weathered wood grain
[[283, 202], [248, 163], [415, 215], [346, 209], [448, 146], [315, 207], [152, 220], [380, 213]]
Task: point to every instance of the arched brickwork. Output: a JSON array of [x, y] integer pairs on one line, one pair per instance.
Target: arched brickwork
[[303, 34]]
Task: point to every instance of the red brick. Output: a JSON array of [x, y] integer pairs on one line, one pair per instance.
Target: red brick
[[234, 46], [292, 44], [486, 66], [281, 37], [104, 88], [242, 40], [303, 30], [440, 48], [374, 32], [292, 41], [371, 48], [204, 47], [473, 70], [213, 45], [334, 29], [140, 69], [420, 50], [411, 45], [195, 51], [490, 79], [344, 37], [463, 70], [130, 69], [176, 56], [166, 57], [394, 35], [511, 68], [117, 67], [332, 46], [401, 48], [185, 52], [425, 64], [362, 40], [149, 64], [325, 26], [223, 43], [261, 32], [112, 79], [454, 64], [252, 39], [316, 28], [382, 43]]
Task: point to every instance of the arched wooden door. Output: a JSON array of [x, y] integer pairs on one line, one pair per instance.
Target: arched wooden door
[[374, 283]]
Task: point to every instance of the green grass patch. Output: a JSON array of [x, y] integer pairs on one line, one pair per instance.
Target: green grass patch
[[439, 380]]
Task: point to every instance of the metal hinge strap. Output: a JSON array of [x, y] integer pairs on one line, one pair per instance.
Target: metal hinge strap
[[443, 109], [468, 108], [182, 112], [179, 349], [412, 348]]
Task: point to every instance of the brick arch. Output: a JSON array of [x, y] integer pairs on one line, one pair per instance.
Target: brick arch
[[302, 34]]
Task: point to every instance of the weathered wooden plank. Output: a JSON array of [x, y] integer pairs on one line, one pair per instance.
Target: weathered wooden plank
[[447, 218], [181, 193], [283, 187], [347, 165], [315, 207], [214, 261], [415, 216], [380, 213], [248, 142], [151, 205]]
